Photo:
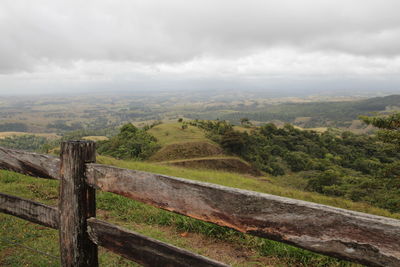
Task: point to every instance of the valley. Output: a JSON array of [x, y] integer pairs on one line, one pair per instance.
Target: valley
[[60, 114]]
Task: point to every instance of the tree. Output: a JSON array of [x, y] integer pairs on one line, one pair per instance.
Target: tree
[[245, 122], [325, 179], [233, 142], [389, 127], [298, 161], [268, 129], [130, 143], [389, 132]]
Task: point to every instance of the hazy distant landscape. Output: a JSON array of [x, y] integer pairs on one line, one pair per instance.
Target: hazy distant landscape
[[60, 114]]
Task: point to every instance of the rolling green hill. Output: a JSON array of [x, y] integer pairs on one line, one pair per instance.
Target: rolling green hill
[[189, 147], [170, 133]]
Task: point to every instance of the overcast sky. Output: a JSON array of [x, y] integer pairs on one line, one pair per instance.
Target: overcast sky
[[61, 46]]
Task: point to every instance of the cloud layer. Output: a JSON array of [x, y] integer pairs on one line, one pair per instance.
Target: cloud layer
[[50, 42]]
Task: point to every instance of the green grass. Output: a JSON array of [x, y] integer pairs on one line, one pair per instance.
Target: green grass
[[160, 224], [150, 221], [170, 133]]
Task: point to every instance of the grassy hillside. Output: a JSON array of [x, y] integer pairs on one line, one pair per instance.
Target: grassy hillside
[[170, 133], [223, 163], [189, 147], [185, 150], [207, 239]]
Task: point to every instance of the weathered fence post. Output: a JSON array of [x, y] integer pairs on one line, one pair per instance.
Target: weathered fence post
[[76, 204]]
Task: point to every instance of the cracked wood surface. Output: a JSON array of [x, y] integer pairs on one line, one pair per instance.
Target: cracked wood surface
[[32, 164], [355, 236], [29, 210], [77, 202], [142, 249]]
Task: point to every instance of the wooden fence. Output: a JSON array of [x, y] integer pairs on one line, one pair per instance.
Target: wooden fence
[[344, 234]]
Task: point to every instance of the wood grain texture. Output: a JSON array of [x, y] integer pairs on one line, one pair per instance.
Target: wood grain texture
[[29, 210], [142, 249], [32, 164], [76, 204], [354, 236]]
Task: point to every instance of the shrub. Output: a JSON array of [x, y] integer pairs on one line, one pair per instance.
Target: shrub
[[298, 161], [232, 142], [325, 179], [130, 143]]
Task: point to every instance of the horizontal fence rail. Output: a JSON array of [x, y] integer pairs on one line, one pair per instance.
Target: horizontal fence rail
[[29, 210], [131, 245], [332, 231], [355, 236], [142, 249], [32, 164]]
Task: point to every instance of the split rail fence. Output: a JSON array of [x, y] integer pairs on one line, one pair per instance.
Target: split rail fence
[[354, 236]]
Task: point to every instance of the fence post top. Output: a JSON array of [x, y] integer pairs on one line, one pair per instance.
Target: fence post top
[[86, 148]]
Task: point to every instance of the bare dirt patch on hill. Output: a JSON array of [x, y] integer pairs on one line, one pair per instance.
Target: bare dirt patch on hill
[[230, 164]]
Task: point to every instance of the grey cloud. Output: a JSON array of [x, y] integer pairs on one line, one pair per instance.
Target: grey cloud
[[38, 32], [69, 46]]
